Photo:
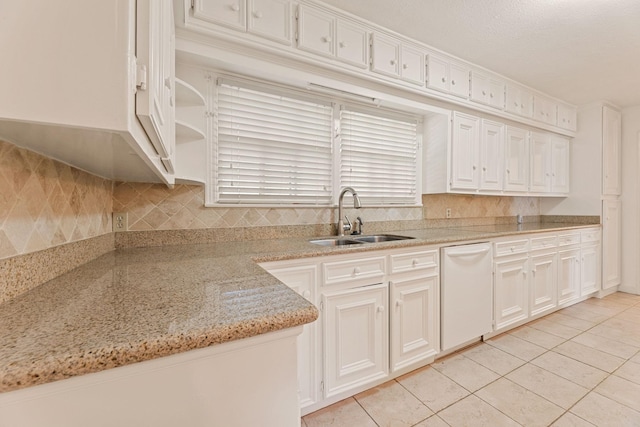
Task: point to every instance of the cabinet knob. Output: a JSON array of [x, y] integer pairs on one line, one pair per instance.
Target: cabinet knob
[[508, 171], [257, 14], [167, 83], [453, 82], [490, 95], [235, 7], [474, 167], [521, 105], [405, 66], [399, 303], [392, 62], [484, 93], [414, 263], [380, 308], [444, 80], [343, 44], [484, 169], [326, 39], [356, 270]]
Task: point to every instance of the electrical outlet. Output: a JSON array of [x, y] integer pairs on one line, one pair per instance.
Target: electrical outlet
[[120, 221], [448, 213]]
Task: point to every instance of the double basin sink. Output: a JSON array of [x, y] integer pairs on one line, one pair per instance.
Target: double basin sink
[[358, 240]]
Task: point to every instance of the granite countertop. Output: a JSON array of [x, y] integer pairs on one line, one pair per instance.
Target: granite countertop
[[137, 304]]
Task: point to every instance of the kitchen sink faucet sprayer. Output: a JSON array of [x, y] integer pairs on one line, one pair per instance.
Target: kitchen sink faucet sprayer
[[342, 227]]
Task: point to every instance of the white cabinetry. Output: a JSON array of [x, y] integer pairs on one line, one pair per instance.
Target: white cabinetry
[[519, 100], [325, 34], [544, 110], [414, 302], [549, 164], [487, 89], [270, 19], [611, 246], [395, 58], [447, 75], [98, 85], [356, 337], [569, 268], [465, 172], [611, 149], [516, 158], [510, 270], [491, 156], [543, 261], [590, 273], [567, 117]]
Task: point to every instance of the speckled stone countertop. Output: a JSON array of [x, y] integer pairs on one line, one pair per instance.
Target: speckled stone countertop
[[132, 305]]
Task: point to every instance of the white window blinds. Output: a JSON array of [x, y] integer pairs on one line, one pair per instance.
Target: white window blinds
[[378, 157], [272, 148]]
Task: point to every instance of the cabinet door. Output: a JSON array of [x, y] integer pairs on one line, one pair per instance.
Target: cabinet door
[[302, 279], [611, 243], [353, 44], [355, 337], [385, 53], [512, 297], [491, 155], [479, 85], [230, 13], [516, 158], [459, 76], [568, 275], [519, 101], [590, 272], [544, 110], [496, 93], [611, 144], [414, 320], [270, 19], [437, 73], [560, 165], [464, 152], [155, 106], [412, 69], [315, 31], [543, 282], [567, 117], [539, 162]]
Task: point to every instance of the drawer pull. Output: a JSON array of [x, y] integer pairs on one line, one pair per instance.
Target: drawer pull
[[356, 271]]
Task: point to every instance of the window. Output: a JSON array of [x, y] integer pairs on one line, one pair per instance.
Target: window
[[279, 147]]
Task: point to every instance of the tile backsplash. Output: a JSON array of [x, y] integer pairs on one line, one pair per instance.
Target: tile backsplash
[[45, 203]]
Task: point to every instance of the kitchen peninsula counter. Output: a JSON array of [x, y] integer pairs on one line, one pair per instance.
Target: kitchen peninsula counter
[[138, 304]]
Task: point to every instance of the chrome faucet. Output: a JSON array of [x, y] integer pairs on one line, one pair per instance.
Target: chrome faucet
[[342, 227]]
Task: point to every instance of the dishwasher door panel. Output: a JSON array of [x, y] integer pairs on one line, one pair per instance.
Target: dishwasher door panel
[[467, 293]]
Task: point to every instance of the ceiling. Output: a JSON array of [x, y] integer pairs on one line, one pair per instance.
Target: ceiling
[[580, 51]]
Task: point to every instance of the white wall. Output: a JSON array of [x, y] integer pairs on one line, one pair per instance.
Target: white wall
[[631, 200]]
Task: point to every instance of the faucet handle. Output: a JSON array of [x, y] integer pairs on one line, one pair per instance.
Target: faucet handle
[[360, 224], [347, 226]]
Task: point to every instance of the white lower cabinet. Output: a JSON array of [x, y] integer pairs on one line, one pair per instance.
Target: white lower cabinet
[[543, 281], [355, 335], [568, 275], [511, 290]]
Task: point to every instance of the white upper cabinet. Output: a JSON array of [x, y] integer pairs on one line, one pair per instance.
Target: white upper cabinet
[[447, 75], [487, 89], [611, 151], [270, 19], [519, 100], [516, 158], [323, 33], [544, 110], [560, 165], [465, 173], [491, 156], [155, 99], [540, 162], [395, 58], [567, 117], [92, 79]]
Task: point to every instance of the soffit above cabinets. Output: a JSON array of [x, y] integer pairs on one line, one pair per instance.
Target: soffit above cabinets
[[580, 51]]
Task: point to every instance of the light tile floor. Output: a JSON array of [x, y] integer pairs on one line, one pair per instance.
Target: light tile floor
[[578, 367]]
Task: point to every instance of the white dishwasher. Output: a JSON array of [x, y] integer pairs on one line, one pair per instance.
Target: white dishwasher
[[467, 294]]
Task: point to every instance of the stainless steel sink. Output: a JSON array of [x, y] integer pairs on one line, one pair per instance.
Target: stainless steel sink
[[357, 240], [380, 238], [335, 242]]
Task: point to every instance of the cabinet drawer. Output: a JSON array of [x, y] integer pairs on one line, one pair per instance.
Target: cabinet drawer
[[569, 239], [414, 261], [511, 247], [354, 271], [590, 236], [543, 242]]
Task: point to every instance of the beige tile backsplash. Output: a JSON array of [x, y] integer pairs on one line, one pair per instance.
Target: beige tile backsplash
[[45, 203]]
